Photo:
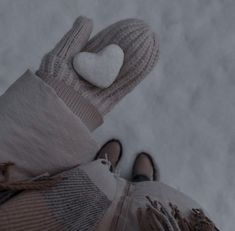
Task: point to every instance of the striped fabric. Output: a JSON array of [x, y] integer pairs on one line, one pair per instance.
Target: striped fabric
[[75, 203]]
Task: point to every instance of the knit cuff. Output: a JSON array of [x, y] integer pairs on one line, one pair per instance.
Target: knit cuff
[[80, 106]]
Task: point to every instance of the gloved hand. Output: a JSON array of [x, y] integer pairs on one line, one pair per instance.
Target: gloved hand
[[90, 103]]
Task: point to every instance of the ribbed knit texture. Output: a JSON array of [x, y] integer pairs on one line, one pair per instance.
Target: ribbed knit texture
[[141, 52], [77, 103]]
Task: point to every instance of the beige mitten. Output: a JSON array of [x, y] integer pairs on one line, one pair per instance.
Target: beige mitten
[[89, 102]]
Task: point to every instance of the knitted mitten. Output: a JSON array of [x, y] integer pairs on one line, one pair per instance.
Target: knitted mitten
[[90, 103]]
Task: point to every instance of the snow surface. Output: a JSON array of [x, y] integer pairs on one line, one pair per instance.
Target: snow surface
[[183, 113]]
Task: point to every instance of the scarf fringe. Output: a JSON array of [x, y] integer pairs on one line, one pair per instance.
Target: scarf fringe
[[38, 183], [155, 217]]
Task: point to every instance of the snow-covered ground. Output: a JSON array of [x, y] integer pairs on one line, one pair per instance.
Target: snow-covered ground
[[183, 113]]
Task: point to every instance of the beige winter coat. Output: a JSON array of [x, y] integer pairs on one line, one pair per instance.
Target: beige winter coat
[[40, 134]]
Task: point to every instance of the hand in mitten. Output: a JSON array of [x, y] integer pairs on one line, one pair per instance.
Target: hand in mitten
[[87, 101]]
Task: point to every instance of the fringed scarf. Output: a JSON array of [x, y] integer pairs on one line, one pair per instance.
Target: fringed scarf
[[155, 217]]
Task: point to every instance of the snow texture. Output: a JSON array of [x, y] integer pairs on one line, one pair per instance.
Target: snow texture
[[183, 113], [100, 69]]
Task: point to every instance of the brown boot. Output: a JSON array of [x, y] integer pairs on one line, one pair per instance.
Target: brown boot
[[113, 150], [144, 168]]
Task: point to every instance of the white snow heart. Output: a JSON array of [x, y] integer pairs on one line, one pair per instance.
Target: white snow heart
[[100, 69]]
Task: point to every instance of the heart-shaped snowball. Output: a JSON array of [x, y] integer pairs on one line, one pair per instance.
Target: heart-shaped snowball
[[100, 69]]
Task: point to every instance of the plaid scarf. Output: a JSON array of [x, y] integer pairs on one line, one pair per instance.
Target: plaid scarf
[[71, 201]]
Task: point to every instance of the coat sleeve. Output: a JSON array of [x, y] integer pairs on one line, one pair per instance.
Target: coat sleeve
[[38, 132]]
